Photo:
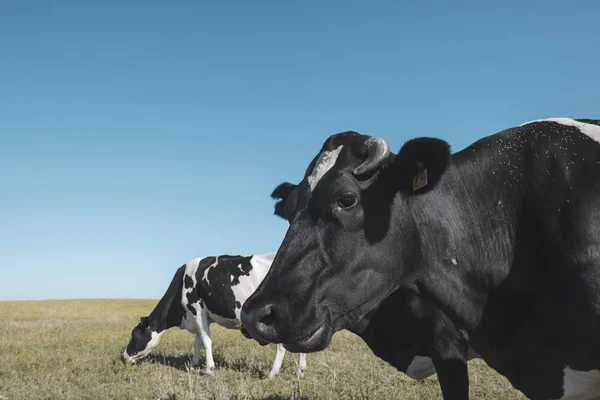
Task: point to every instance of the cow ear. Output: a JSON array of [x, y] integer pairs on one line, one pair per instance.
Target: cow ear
[[420, 163], [281, 194]]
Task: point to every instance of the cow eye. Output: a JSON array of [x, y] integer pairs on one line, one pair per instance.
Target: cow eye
[[347, 200]]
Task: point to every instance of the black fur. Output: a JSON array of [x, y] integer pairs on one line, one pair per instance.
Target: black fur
[[433, 153], [281, 194], [167, 313], [502, 247]]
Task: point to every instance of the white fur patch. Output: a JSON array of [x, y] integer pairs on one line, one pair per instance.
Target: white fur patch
[[581, 385], [205, 276], [149, 347], [324, 163], [190, 270], [261, 263], [278, 361], [593, 131], [420, 368], [188, 323], [224, 322]]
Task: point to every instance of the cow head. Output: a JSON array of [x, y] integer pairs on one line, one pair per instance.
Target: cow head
[[144, 337], [351, 239]]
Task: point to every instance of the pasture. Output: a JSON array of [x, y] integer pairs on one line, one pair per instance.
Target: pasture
[[70, 349]]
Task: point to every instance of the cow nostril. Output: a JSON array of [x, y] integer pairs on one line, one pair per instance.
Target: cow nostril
[[269, 318], [265, 324], [259, 323]]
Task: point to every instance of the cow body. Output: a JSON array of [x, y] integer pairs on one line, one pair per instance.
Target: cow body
[[203, 291], [501, 240]]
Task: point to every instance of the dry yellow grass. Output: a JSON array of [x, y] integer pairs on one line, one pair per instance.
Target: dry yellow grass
[[70, 350]]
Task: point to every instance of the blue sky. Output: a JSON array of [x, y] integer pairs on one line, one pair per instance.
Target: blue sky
[[136, 135]]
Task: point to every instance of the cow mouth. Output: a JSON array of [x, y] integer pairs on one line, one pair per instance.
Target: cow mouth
[[127, 359], [131, 360], [248, 336], [316, 341], [245, 333]]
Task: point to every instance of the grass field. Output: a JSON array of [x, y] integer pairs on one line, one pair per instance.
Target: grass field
[[70, 350]]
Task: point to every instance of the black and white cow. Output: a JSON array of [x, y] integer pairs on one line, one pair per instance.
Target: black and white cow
[[203, 291], [501, 239]]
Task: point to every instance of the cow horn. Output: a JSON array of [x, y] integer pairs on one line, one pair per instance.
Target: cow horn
[[377, 153]]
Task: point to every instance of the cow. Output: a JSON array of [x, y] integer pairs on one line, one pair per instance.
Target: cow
[[205, 290], [501, 239], [405, 349]]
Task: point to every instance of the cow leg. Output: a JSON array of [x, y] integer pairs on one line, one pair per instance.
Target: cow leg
[[197, 346], [278, 361], [449, 353], [301, 365], [453, 377], [207, 342], [203, 337]]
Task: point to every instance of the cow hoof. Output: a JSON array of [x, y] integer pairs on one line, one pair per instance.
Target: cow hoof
[[300, 373], [194, 364], [271, 376], [210, 371]]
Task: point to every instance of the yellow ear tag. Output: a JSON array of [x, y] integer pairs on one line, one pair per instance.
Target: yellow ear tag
[[420, 178]]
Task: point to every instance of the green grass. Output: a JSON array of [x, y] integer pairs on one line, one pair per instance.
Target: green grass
[[70, 350]]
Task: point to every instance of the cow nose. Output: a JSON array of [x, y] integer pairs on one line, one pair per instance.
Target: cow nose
[[260, 324]]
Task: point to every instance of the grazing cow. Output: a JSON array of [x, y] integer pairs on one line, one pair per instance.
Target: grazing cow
[[203, 291], [501, 239]]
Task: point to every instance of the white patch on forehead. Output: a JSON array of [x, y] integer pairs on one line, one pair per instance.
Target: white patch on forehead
[[324, 163], [581, 385], [420, 368], [591, 130]]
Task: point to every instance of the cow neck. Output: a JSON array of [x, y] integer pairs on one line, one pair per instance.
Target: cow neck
[[463, 231], [169, 311]]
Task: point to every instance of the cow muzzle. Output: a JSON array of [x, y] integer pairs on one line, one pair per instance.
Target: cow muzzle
[[125, 358], [260, 325]]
